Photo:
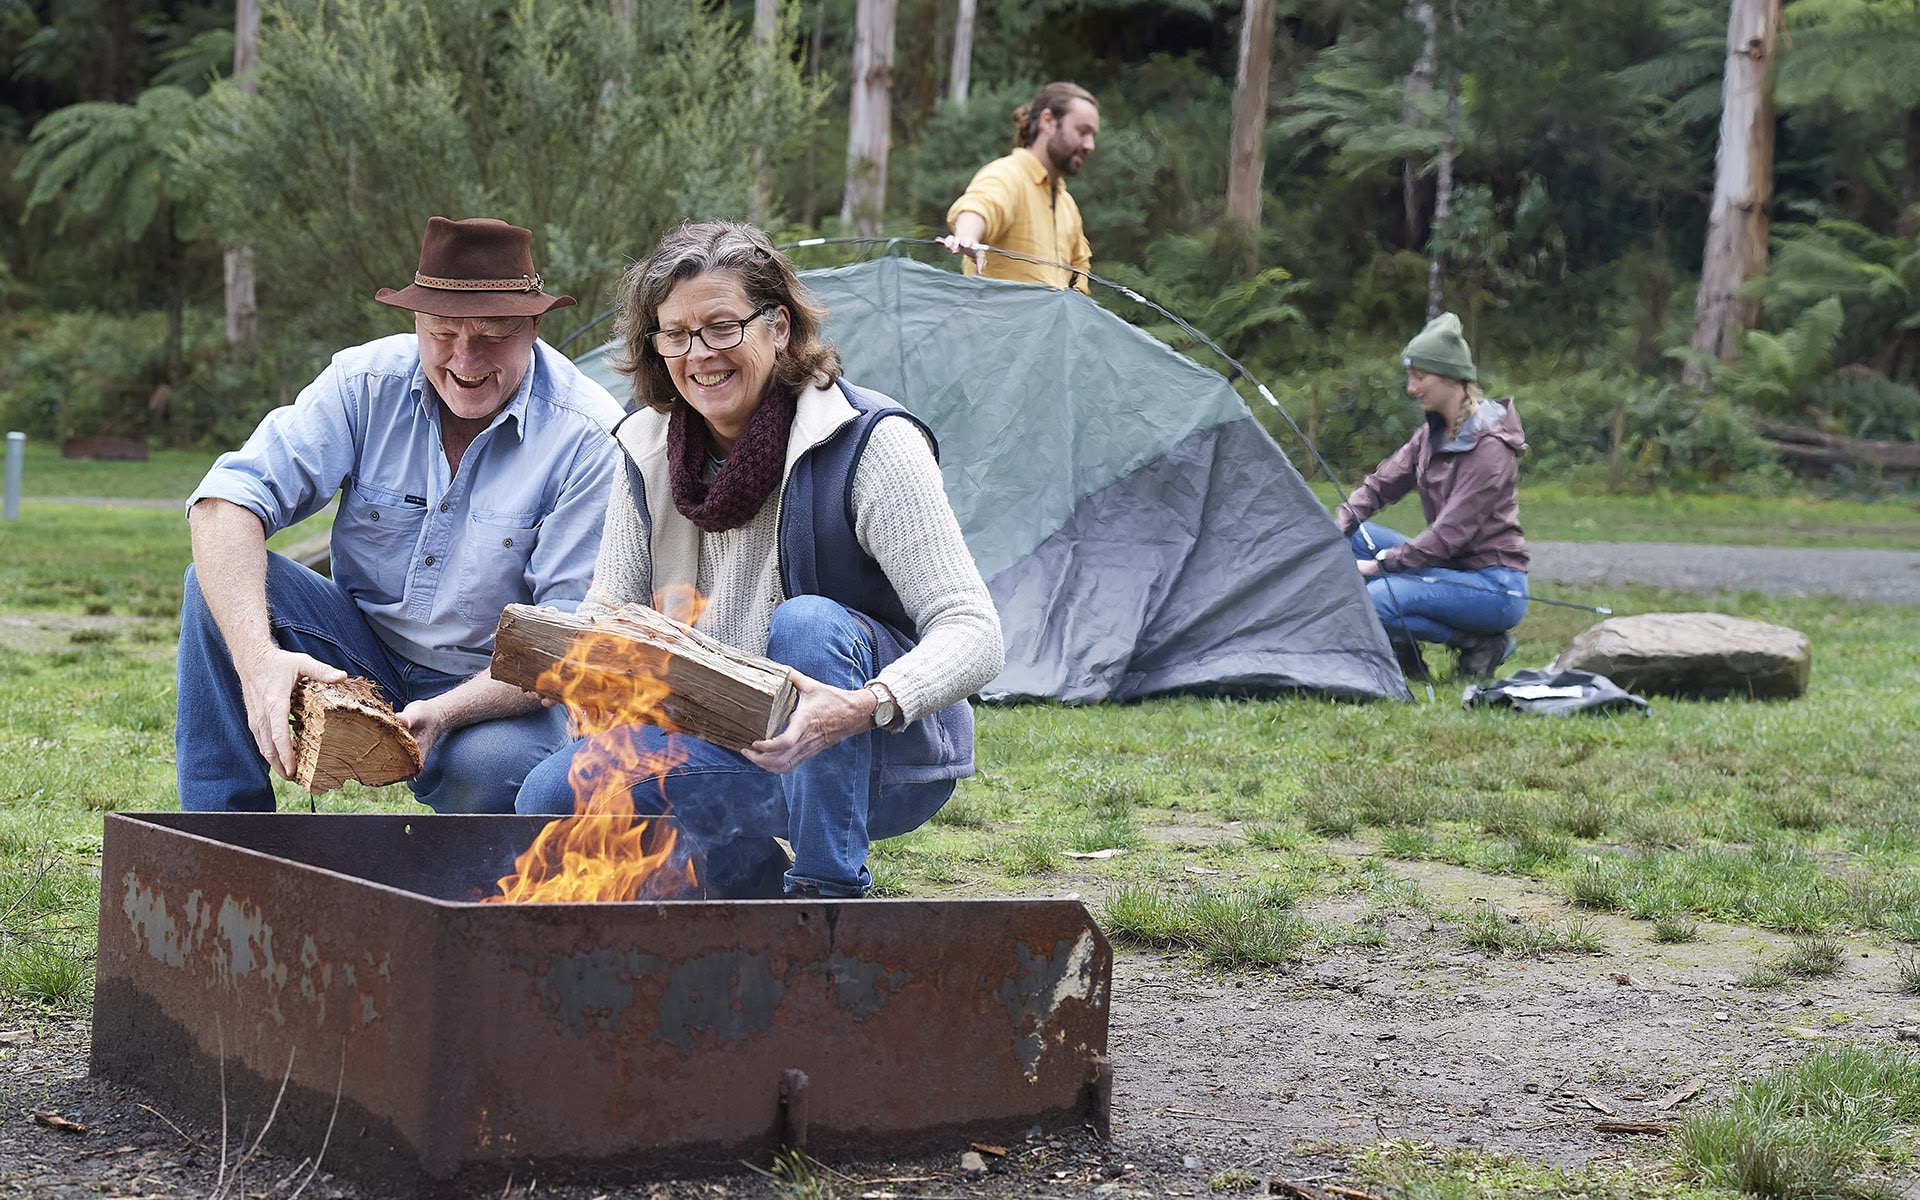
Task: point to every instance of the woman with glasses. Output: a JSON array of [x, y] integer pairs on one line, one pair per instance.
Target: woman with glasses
[[807, 515]]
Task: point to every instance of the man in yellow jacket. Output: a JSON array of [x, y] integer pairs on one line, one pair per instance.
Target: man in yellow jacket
[[1020, 202]]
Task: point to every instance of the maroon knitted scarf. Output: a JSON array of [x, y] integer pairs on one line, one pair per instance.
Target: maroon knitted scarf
[[746, 478]]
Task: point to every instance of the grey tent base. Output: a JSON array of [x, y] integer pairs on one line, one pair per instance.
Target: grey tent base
[[1194, 574]]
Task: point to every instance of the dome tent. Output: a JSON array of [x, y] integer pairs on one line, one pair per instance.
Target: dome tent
[[1140, 532]]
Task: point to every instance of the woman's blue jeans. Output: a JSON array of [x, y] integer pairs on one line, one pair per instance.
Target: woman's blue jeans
[[1433, 604], [828, 808], [477, 769]]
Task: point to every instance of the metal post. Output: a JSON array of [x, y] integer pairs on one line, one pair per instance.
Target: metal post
[[16, 461]]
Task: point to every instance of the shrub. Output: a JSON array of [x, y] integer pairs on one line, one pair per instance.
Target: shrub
[[75, 374]]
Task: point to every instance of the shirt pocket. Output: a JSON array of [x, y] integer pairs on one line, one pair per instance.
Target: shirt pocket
[[378, 531], [498, 547]]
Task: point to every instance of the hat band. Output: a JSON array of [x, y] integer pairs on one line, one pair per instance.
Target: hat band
[[521, 283]]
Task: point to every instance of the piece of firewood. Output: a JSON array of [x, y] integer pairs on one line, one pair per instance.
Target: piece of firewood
[[345, 731], [638, 664]]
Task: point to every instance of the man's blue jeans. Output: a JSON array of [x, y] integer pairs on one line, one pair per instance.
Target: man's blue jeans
[[477, 769], [828, 808], [1432, 604]]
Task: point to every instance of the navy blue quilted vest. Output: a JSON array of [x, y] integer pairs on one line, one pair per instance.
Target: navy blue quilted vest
[[821, 556]]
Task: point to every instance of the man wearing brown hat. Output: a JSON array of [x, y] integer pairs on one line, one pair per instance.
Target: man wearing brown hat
[[472, 462]]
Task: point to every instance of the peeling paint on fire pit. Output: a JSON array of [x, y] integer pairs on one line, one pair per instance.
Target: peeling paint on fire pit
[[241, 950], [1043, 985], [726, 995], [864, 986], [589, 990], [730, 994], [153, 927]]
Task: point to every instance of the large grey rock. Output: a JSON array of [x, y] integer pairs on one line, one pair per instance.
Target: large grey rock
[[1694, 655]]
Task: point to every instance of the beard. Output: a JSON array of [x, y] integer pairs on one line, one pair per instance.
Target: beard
[[1064, 155]]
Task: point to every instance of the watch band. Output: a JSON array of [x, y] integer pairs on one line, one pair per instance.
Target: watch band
[[885, 708]]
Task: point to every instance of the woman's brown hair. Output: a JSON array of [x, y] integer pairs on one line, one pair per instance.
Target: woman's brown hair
[[766, 276]]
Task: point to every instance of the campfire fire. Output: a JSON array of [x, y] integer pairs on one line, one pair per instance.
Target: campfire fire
[[605, 851]]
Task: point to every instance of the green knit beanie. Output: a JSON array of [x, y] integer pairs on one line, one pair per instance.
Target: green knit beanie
[[1440, 349]]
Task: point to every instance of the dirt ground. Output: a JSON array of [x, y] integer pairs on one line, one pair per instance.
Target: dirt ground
[[1277, 1075]]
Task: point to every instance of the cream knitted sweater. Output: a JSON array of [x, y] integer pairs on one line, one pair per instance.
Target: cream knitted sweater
[[901, 519]]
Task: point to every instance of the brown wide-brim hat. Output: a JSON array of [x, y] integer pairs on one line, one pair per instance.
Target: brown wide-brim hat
[[475, 268]]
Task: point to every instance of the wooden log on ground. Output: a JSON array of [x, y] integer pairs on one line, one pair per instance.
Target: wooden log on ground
[[345, 731], [105, 446], [638, 664], [1820, 452], [315, 553]]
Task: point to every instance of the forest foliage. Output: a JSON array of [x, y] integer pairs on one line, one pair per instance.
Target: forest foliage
[[129, 161]]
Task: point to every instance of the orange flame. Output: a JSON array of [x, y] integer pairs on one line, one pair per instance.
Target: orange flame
[[605, 852]]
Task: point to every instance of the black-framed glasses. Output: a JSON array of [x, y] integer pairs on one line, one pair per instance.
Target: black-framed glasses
[[719, 335]]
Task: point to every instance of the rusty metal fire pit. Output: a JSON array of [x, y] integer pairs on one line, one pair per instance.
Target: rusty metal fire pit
[[425, 1039]]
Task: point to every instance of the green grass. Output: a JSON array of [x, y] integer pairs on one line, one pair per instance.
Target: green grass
[[1907, 965], [121, 562], [1824, 1127], [1491, 931], [165, 475], [1408, 1170], [1227, 928], [1555, 512], [1801, 816]]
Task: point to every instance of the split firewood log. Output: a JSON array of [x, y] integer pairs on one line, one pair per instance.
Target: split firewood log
[[345, 731], [638, 664]]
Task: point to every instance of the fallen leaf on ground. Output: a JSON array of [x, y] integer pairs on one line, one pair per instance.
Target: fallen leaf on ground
[[1681, 1094], [1202, 871], [1595, 1104], [1632, 1127], [984, 1148], [15, 1037], [56, 1121], [1114, 852]]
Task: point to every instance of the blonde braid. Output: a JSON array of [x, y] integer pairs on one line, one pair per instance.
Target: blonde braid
[[1468, 406]]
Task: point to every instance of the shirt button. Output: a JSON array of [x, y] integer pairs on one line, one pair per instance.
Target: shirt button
[[429, 560], [507, 542], [444, 506], [373, 515]]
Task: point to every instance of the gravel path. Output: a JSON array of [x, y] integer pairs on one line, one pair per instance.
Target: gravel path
[[1880, 576]]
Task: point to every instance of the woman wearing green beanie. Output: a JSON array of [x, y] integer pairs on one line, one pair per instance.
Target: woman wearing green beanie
[[1462, 581]]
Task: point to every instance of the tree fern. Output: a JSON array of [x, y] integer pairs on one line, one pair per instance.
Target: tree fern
[[1776, 371], [115, 162], [1861, 55]]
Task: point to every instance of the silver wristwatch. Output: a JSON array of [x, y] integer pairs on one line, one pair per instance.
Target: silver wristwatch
[[884, 708]]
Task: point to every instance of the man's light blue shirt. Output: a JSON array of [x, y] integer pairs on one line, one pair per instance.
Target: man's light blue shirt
[[432, 558]]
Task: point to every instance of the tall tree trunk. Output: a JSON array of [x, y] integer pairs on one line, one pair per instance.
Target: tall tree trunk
[[810, 191], [243, 309], [766, 15], [1419, 83], [1742, 187], [960, 78], [1443, 196], [626, 14], [1248, 165], [1908, 223], [869, 118]]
